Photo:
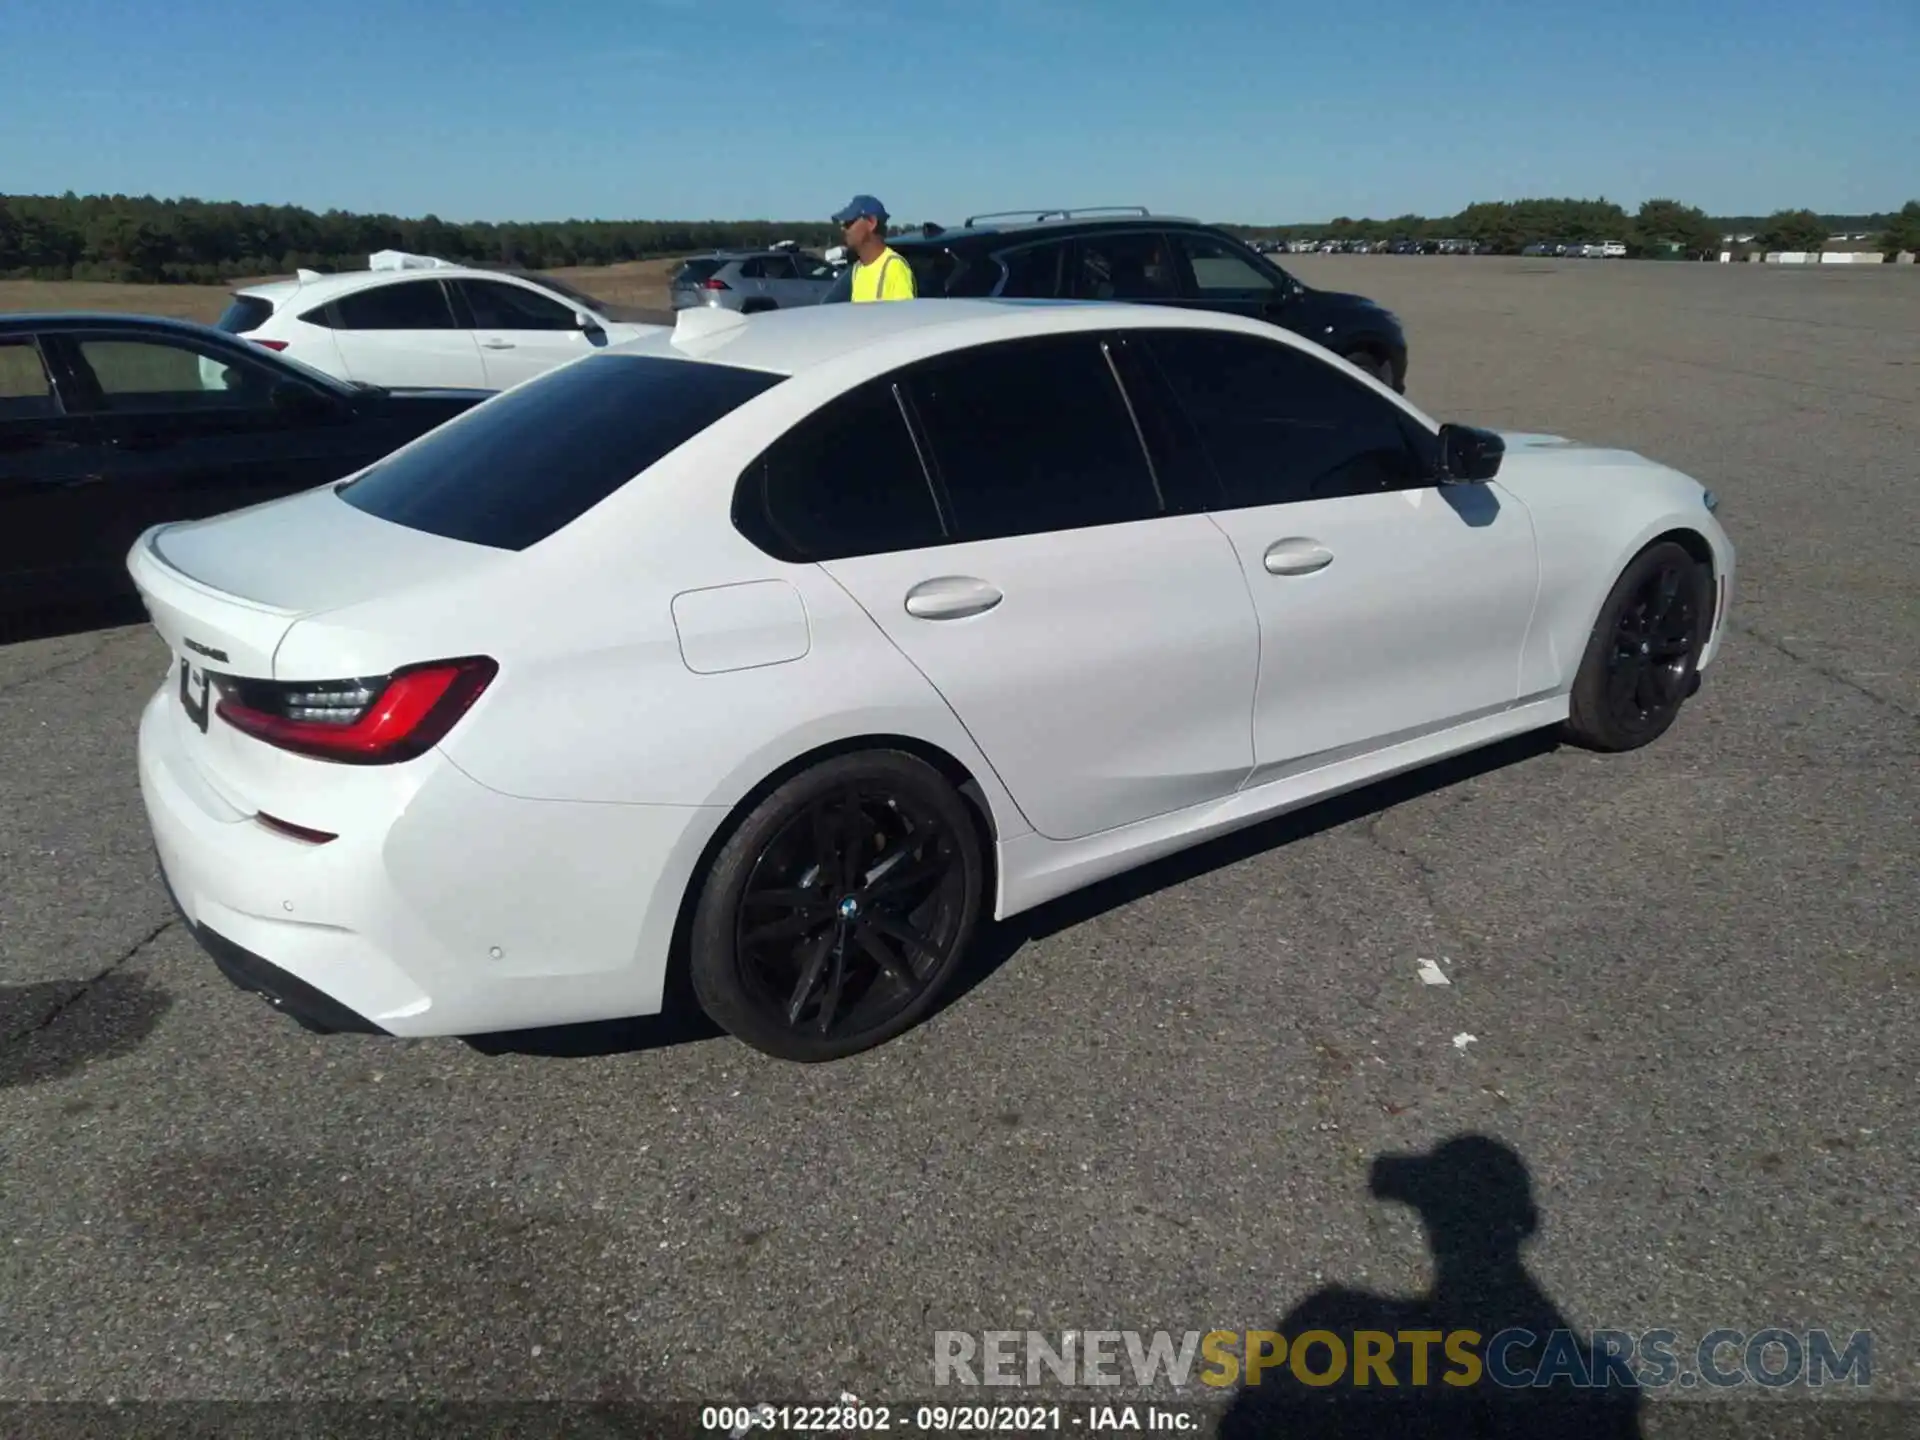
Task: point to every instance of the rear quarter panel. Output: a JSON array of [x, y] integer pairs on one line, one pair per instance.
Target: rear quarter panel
[[598, 697]]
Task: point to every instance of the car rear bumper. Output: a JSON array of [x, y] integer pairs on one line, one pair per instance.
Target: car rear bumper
[[314, 1009], [459, 911]]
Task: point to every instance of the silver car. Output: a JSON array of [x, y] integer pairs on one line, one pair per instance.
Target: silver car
[[752, 280]]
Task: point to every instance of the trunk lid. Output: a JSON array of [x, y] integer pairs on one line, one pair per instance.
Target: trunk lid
[[224, 592]]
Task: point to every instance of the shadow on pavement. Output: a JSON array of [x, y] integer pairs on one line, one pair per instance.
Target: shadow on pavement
[[54, 1028], [1475, 1200], [49, 622]]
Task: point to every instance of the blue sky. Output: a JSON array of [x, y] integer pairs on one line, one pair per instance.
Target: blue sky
[[1239, 110]]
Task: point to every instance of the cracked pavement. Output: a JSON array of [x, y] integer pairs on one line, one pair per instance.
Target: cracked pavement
[[1691, 973]]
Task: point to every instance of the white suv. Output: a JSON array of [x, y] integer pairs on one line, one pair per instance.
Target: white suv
[[412, 321]]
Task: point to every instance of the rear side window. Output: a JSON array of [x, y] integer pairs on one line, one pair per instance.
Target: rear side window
[[1030, 436], [516, 468], [696, 272], [247, 312], [845, 481], [407, 305]]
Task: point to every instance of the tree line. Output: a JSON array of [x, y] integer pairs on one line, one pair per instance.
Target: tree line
[[1658, 228], [141, 238]]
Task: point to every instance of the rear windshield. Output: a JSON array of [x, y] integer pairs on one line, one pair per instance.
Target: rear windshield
[[247, 312], [512, 471], [695, 271]]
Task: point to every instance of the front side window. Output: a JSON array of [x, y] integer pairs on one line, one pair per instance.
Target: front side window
[[497, 305], [1225, 272], [1127, 265], [1279, 425], [1031, 436], [165, 375], [404, 305], [517, 467], [846, 481]]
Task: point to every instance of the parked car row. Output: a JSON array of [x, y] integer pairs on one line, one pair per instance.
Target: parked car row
[[1579, 249]]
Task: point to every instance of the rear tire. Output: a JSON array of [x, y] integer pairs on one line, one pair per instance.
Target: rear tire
[[757, 307], [1642, 658], [837, 913]]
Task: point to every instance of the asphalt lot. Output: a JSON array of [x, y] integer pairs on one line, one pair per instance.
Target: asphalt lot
[[1690, 972]]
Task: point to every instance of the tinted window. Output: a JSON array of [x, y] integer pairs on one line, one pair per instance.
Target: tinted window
[[247, 312], [515, 469], [25, 391], [1136, 265], [148, 375], [845, 481], [1032, 436], [1036, 272], [938, 272], [1280, 425], [407, 305], [695, 271], [499, 306], [1224, 272]]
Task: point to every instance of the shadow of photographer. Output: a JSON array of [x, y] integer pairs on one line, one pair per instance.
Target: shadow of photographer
[[1484, 1353]]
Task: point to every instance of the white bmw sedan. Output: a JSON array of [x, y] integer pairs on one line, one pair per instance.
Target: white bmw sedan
[[776, 653]]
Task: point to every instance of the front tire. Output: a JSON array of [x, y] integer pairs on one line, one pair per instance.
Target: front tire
[[1642, 659], [837, 913]]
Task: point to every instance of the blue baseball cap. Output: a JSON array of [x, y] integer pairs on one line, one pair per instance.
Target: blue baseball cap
[[858, 206]]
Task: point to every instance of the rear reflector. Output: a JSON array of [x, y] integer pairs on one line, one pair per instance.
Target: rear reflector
[[716, 284], [379, 721], [298, 832]]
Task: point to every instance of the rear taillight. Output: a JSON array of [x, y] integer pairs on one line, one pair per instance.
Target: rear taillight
[[378, 721], [716, 283], [270, 344]]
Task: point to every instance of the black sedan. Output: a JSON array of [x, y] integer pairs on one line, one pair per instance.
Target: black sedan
[[112, 423]]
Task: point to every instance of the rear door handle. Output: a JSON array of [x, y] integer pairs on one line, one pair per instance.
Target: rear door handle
[[951, 597], [496, 344], [1297, 556]]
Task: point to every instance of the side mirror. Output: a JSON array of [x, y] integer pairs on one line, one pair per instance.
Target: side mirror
[[1469, 455]]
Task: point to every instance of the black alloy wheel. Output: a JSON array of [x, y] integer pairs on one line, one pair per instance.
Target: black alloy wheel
[[1642, 658], [838, 911]]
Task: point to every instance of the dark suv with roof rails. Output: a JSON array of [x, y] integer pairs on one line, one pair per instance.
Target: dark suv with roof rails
[[1129, 253]]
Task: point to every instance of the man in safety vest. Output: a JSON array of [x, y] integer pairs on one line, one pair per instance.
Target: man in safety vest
[[879, 272]]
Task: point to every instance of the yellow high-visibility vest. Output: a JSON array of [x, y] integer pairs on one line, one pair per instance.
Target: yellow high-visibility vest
[[888, 278]]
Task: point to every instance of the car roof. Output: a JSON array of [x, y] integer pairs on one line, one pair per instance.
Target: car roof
[[1025, 222], [321, 288], [878, 337], [18, 321]]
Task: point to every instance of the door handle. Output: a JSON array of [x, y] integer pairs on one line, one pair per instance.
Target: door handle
[[951, 597], [496, 344], [1297, 556]]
